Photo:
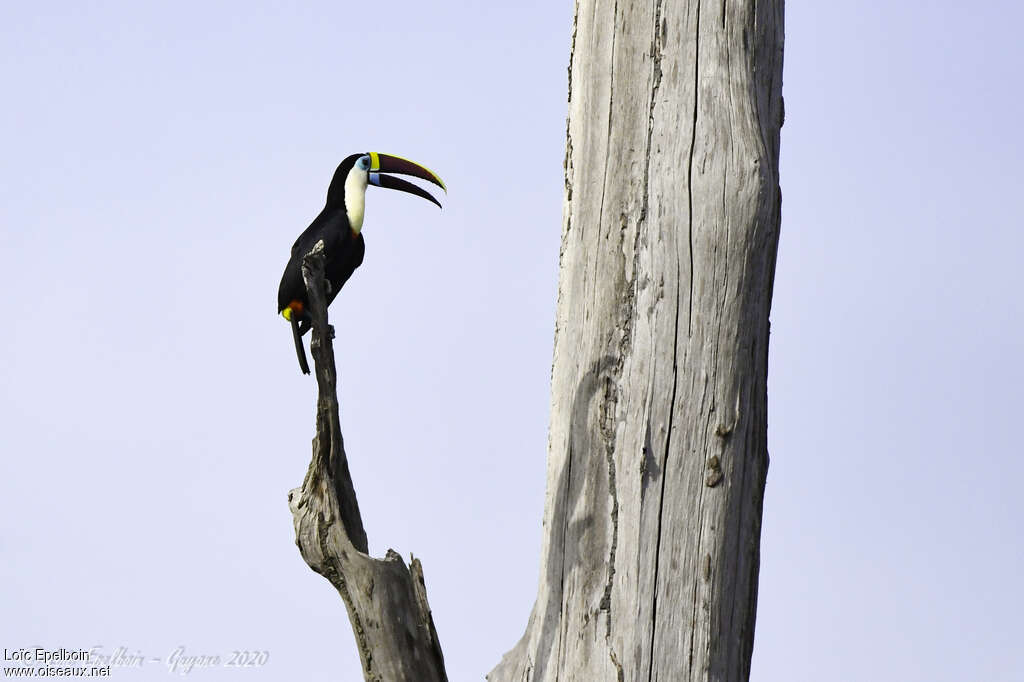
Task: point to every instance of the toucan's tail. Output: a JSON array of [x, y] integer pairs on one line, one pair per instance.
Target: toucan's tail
[[299, 349]]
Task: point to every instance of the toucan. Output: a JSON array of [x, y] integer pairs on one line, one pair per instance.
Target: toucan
[[339, 226]]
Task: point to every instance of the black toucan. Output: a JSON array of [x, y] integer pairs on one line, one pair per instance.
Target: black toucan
[[339, 226]]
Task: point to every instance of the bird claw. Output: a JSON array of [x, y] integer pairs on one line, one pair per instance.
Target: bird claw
[[330, 331]]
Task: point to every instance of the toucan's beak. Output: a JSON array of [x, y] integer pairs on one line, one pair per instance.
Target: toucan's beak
[[386, 163]]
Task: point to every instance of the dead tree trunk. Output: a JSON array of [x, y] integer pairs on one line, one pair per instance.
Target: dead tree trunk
[[386, 602], [658, 454]]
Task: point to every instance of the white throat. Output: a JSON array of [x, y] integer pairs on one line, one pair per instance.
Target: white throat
[[355, 198]]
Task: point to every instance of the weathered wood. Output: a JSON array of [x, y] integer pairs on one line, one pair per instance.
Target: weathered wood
[[658, 445], [386, 602]]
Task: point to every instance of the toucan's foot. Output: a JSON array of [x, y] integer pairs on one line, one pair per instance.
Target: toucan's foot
[[306, 325]]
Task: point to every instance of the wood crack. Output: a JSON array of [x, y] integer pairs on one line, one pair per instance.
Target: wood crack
[[656, 56], [693, 144], [700, 519], [565, 536]]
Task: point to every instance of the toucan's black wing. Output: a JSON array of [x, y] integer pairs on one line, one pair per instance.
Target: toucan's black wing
[[292, 287]]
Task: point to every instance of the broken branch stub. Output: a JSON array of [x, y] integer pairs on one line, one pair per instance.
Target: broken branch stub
[[386, 601]]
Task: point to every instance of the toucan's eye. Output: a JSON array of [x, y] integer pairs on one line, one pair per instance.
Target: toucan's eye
[[364, 163]]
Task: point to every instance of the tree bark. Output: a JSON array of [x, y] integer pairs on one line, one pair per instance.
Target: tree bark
[[658, 444], [386, 602]]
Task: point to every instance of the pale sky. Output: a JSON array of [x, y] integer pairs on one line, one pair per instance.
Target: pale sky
[[160, 158]]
